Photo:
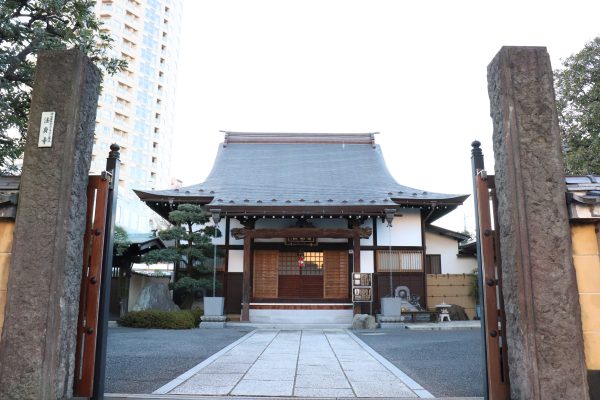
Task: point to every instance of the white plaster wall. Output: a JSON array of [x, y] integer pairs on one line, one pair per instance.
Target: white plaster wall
[[447, 248], [405, 231], [367, 264], [368, 223], [464, 265], [235, 261]]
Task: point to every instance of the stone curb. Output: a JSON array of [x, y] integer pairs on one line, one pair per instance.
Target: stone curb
[[444, 326], [120, 396]]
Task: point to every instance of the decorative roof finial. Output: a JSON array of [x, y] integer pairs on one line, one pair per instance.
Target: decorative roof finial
[[114, 151]]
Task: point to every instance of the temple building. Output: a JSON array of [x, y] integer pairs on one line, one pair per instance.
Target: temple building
[[302, 215]]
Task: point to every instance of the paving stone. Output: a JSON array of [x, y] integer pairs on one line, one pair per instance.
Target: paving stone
[[260, 364], [322, 381], [279, 358], [270, 351], [321, 393], [318, 369], [270, 374], [250, 387], [362, 366], [202, 390], [245, 351], [318, 361], [214, 380], [277, 366], [234, 359], [382, 389], [369, 376], [225, 368]]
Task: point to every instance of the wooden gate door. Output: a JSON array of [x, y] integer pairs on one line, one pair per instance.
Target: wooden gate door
[[300, 275], [493, 302], [97, 201]]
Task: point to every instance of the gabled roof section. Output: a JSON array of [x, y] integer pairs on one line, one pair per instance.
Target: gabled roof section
[[583, 197], [321, 173], [9, 195], [458, 236]]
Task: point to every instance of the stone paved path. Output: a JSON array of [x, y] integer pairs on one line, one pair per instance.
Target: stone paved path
[[308, 363]]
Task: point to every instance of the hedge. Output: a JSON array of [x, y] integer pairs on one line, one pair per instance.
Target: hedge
[[182, 319]]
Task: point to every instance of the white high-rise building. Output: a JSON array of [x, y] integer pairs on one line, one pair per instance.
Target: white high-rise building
[[136, 107]]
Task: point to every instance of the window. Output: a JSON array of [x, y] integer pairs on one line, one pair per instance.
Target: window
[[399, 261], [301, 263], [433, 264]]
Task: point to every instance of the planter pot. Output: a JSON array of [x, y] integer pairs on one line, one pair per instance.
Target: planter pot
[[213, 306], [391, 306]]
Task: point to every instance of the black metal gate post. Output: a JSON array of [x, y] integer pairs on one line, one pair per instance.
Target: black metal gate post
[[112, 167], [477, 165]]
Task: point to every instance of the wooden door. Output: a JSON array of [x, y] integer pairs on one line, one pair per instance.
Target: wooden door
[[336, 274], [265, 285], [301, 275]]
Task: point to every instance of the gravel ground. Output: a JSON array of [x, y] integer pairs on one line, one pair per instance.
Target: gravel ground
[[447, 363], [142, 360]]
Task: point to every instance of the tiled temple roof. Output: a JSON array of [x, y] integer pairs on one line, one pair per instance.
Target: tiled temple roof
[[254, 171]]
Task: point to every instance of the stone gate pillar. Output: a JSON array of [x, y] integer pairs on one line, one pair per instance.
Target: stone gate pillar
[[545, 346], [37, 349]]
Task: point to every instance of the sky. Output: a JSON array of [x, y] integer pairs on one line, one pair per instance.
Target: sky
[[413, 71]]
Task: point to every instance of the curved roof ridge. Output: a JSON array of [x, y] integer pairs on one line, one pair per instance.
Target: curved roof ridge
[[299, 137]]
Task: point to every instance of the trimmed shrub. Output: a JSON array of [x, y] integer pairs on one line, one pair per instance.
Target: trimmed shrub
[[183, 319]]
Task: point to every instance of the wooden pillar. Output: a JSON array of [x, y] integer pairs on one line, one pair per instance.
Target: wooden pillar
[[226, 262], [356, 263], [356, 244], [246, 287], [424, 257]]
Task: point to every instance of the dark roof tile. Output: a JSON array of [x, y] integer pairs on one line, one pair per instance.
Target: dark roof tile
[[303, 170]]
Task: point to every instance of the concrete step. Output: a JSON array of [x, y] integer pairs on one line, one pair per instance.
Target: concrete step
[[285, 326]]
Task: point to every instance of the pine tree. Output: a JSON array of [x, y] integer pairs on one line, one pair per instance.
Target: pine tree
[[191, 252]]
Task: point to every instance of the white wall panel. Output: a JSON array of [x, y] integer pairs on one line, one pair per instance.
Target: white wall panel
[[235, 261], [367, 264], [405, 230], [447, 248]]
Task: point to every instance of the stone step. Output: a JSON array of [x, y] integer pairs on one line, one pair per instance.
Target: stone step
[[285, 326]]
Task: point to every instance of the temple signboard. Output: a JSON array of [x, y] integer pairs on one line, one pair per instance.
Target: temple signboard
[[362, 284], [301, 241]]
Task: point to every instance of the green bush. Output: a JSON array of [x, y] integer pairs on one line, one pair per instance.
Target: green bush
[[197, 313], [183, 319]]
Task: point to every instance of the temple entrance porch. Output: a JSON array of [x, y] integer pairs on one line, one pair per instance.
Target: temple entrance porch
[[300, 283]]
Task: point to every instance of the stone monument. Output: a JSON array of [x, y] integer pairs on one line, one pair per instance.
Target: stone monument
[[545, 345], [37, 350]]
